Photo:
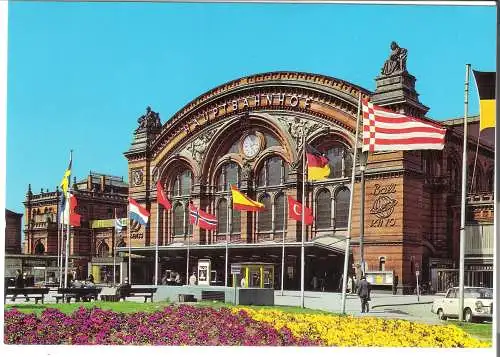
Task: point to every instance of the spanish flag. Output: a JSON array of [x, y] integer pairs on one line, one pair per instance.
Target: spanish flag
[[318, 167], [243, 203], [485, 82]]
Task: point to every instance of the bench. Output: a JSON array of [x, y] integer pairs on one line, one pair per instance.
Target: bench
[[26, 293], [213, 295], [79, 294], [125, 292], [186, 298]]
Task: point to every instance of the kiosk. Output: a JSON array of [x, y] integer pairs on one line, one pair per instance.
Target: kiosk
[[255, 282]]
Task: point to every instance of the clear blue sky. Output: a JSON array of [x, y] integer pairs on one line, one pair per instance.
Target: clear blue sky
[[80, 74]]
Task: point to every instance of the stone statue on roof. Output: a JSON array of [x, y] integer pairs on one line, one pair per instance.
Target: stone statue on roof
[[150, 120], [396, 61]]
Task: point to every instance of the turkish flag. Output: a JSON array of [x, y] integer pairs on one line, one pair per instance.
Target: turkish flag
[[295, 211]]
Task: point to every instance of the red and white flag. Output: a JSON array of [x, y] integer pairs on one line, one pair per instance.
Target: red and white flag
[[295, 211], [198, 217], [384, 130]]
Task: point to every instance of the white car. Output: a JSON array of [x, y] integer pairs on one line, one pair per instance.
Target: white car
[[478, 304]]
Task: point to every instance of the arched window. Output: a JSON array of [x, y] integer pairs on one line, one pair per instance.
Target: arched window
[[229, 175], [279, 213], [342, 208], [188, 226], [103, 250], [236, 221], [273, 172], [178, 220], [323, 210], [340, 159], [39, 248], [183, 183], [265, 217], [222, 216]]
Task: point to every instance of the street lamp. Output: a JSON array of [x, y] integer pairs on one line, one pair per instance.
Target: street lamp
[[363, 158]]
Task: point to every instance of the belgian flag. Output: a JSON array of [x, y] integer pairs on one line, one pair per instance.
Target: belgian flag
[[485, 82]]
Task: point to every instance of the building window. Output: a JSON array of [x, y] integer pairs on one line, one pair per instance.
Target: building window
[[39, 248], [323, 210], [103, 250], [381, 264], [229, 175], [222, 216], [273, 172], [340, 159], [264, 218], [178, 220], [342, 208], [183, 183], [279, 212]]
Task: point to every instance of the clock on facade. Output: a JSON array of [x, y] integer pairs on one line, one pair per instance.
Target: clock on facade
[[251, 145]]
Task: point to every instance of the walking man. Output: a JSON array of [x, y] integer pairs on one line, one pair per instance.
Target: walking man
[[364, 294]]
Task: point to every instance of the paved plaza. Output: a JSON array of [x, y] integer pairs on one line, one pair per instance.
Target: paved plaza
[[382, 304]]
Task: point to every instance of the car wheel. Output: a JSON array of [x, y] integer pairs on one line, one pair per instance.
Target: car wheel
[[467, 315], [441, 315]]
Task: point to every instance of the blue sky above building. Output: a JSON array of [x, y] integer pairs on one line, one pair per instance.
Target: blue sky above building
[[80, 74]]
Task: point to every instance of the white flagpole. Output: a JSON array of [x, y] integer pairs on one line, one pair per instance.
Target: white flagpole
[[61, 249], [157, 233], [115, 233], [187, 253], [283, 246], [227, 243], [68, 225], [349, 224], [129, 249], [464, 195], [302, 249]]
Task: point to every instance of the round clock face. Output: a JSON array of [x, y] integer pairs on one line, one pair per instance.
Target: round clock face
[[251, 145]]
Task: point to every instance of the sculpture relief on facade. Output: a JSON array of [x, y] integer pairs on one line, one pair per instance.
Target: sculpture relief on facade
[[199, 145], [396, 61], [150, 120], [298, 127]]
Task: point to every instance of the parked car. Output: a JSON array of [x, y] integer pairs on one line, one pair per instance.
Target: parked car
[[478, 304]]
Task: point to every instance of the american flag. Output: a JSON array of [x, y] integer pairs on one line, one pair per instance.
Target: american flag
[[384, 130]]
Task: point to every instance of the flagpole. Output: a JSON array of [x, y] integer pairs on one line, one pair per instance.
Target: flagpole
[[463, 201], [302, 250], [157, 238], [58, 233], [68, 225], [114, 250], [351, 200], [187, 252], [61, 248], [283, 247], [227, 242], [129, 250]]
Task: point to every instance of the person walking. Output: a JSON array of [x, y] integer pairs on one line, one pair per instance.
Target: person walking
[[364, 294], [192, 279], [395, 282], [19, 284]]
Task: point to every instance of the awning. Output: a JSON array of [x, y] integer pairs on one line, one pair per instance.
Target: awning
[[331, 242]]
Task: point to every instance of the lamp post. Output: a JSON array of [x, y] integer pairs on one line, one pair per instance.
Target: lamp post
[[363, 158]]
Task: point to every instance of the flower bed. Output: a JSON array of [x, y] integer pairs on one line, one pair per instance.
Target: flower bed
[[194, 326], [367, 331], [181, 325]]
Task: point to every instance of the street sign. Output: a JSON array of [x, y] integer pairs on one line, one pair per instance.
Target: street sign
[[235, 268]]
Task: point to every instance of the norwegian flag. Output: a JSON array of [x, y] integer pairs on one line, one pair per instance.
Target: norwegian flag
[[384, 130], [201, 218]]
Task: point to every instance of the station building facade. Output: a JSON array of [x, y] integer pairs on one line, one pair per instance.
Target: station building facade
[[248, 133]]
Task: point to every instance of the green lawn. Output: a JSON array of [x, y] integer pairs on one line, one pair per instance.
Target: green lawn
[[482, 331]]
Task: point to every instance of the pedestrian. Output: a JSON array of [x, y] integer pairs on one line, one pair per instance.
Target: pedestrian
[[192, 279], [19, 284], [353, 281], [364, 294], [349, 285], [395, 285]]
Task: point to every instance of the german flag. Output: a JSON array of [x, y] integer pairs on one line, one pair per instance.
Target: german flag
[[485, 82], [318, 167], [242, 203]]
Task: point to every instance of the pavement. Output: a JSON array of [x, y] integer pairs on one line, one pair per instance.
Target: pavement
[[384, 305]]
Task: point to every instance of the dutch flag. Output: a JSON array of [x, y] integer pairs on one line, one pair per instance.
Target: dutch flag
[[137, 212]]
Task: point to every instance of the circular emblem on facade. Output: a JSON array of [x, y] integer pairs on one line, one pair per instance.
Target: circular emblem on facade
[[383, 206], [137, 177], [251, 145]]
